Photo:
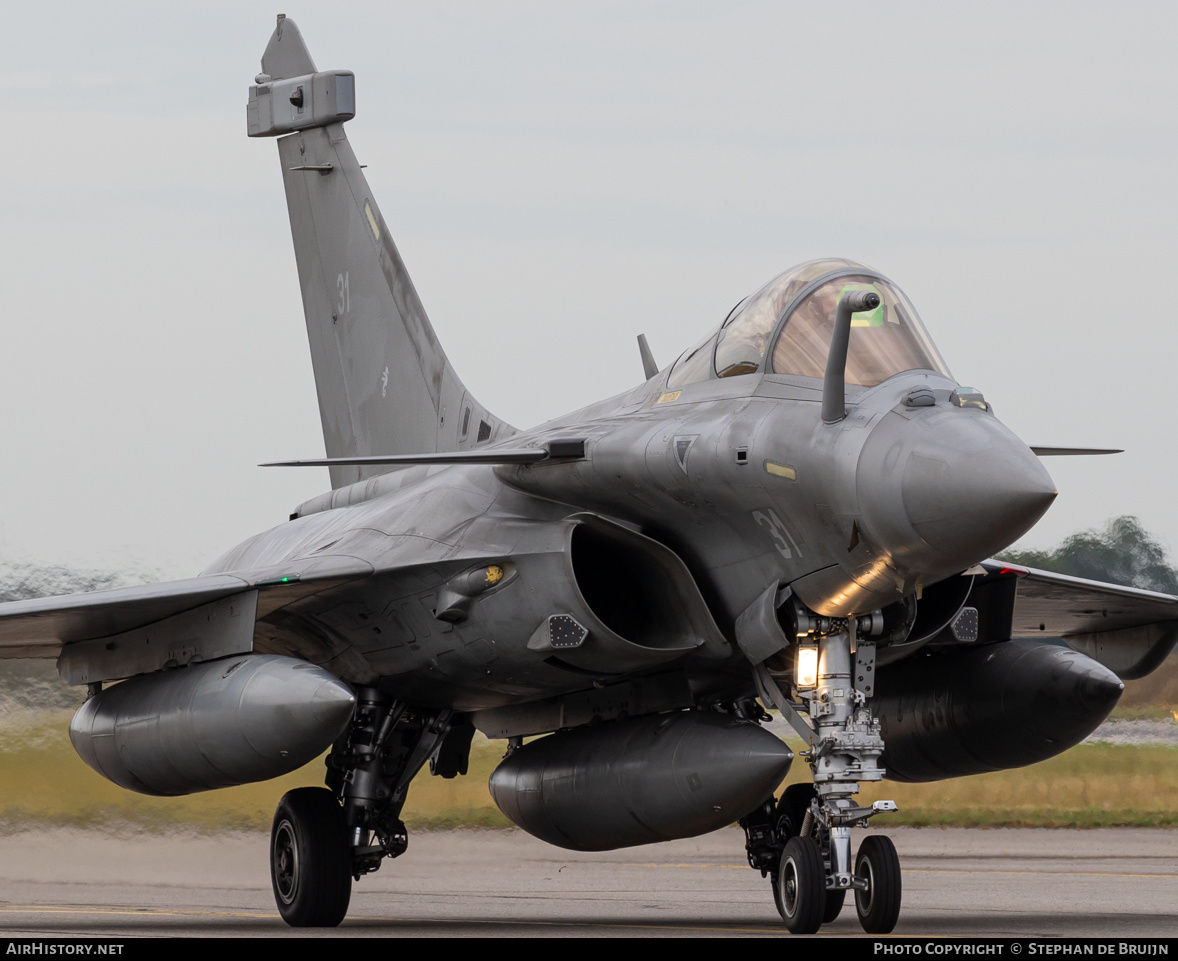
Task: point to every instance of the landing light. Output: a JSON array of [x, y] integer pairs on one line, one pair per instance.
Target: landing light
[[807, 668]]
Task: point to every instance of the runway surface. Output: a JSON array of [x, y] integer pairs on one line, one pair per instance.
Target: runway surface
[[1111, 883]]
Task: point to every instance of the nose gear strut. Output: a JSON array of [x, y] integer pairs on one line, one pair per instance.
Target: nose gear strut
[[831, 714]]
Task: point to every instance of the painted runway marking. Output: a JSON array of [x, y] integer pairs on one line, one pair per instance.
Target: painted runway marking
[[369, 920], [946, 870], [133, 912]]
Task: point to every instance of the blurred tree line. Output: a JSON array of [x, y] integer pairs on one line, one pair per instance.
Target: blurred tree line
[[1123, 553], [35, 684]]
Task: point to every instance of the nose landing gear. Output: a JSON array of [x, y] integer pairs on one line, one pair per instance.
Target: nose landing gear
[[793, 849], [803, 841]]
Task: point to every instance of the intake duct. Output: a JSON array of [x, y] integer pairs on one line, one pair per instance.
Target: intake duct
[[619, 602], [636, 590]]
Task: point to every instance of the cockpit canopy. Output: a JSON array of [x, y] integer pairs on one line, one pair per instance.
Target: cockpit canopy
[[798, 308]]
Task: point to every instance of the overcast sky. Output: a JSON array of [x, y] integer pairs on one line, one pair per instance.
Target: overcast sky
[[560, 178]]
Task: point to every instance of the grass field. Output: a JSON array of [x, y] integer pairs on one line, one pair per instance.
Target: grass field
[[42, 781]]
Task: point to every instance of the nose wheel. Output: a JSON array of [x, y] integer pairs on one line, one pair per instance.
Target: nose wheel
[[805, 903], [789, 818], [878, 905], [801, 886]]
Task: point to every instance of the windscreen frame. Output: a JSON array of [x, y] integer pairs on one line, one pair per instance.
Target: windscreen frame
[[857, 272]]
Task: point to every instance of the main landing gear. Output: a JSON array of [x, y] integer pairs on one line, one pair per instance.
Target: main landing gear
[[802, 841], [323, 838]]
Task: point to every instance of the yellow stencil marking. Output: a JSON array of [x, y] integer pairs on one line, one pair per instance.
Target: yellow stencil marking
[[371, 220], [669, 396], [780, 470]]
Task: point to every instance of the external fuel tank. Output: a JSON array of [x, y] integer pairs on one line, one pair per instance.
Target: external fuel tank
[[959, 711], [211, 725], [639, 780]]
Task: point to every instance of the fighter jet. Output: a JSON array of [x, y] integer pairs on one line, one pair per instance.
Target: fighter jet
[[797, 515]]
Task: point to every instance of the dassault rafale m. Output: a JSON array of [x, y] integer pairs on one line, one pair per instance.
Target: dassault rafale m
[[797, 514]]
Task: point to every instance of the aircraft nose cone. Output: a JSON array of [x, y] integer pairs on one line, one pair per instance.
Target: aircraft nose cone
[[970, 490], [950, 490]]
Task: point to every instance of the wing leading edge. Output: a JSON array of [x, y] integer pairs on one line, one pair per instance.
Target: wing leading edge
[[105, 635]]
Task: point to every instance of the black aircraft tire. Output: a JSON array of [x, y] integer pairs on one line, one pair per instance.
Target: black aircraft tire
[[310, 860], [879, 906], [834, 905], [801, 886]]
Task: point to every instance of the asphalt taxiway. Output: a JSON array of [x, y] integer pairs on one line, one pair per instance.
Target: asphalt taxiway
[[1103, 883]]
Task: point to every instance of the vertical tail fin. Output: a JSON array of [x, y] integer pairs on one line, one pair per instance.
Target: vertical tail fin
[[383, 380]]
